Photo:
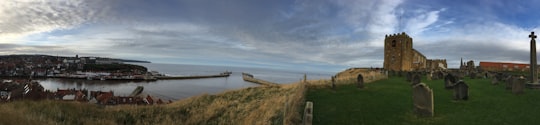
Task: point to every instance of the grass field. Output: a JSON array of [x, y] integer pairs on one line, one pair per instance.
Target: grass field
[[389, 101]]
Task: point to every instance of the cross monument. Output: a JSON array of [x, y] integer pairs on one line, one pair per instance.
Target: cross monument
[[533, 65]]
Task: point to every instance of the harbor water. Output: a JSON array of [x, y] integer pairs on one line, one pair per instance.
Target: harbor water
[[181, 89]]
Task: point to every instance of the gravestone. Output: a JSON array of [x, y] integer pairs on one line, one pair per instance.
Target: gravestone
[[472, 75], [333, 82], [434, 76], [509, 81], [400, 73], [408, 77], [308, 114], [461, 75], [499, 76], [428, 76], [423, 100], [461, 91], [415, 79], [440, 74], [449, 81], [519, 85], [494, 81], [360, 81], [489, 75]]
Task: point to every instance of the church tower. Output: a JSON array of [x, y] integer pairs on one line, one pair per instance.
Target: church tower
[[398, 52]]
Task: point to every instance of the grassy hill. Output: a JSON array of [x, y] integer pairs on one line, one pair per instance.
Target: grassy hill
[[255, 105]]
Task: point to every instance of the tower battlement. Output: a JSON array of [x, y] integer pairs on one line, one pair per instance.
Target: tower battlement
[[402, 34]]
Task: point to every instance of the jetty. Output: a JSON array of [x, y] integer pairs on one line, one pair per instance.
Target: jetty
[[223, 74], [248, 77]]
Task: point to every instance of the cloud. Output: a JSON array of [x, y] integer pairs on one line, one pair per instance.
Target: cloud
[[25, 17], [6, 49], [377, 17], [422, 21], [272, 33], [492, 41]]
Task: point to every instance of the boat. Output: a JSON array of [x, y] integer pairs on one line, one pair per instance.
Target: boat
[[137, 91], [226, 73]]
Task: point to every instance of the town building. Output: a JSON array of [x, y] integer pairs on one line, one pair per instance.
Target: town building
[[399, 55], [503, 66]]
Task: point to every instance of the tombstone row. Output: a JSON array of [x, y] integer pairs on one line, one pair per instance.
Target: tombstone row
[[461, 89], [514, 83], [359, 81]]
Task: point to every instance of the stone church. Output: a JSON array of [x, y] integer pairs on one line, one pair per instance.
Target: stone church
[[399, 55]]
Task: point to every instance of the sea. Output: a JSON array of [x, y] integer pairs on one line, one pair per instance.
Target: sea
[[182, 89]]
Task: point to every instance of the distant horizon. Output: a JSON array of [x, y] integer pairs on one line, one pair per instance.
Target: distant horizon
[[173, 63], [335, 70]]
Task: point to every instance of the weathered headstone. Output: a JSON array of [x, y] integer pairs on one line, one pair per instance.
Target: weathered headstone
[[449, 81], [440, 74], [416, 79], [308, 114], [519, 84], [494, 81], [461, 75], [461, 91], [489, 75], [472, 75], [408, 77], [428, 76], [509, 81], [360, 81], [423, 100], [434, 76], [499, 76], [333, 82]]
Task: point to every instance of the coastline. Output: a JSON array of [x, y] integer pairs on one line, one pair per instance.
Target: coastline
[[278, 104]]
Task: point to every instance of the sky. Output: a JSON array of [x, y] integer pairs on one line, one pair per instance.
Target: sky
[[313, 35]]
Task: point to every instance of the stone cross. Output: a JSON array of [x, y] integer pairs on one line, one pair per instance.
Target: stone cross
[[533, 73]]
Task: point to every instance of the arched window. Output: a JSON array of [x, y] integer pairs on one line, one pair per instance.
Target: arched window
[[393, 43]]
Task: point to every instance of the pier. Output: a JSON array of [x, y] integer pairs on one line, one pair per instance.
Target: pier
[[223, 74], [248, 77]]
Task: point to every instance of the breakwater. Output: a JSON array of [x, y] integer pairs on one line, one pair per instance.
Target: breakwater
[[224, 74], [249, 78]]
